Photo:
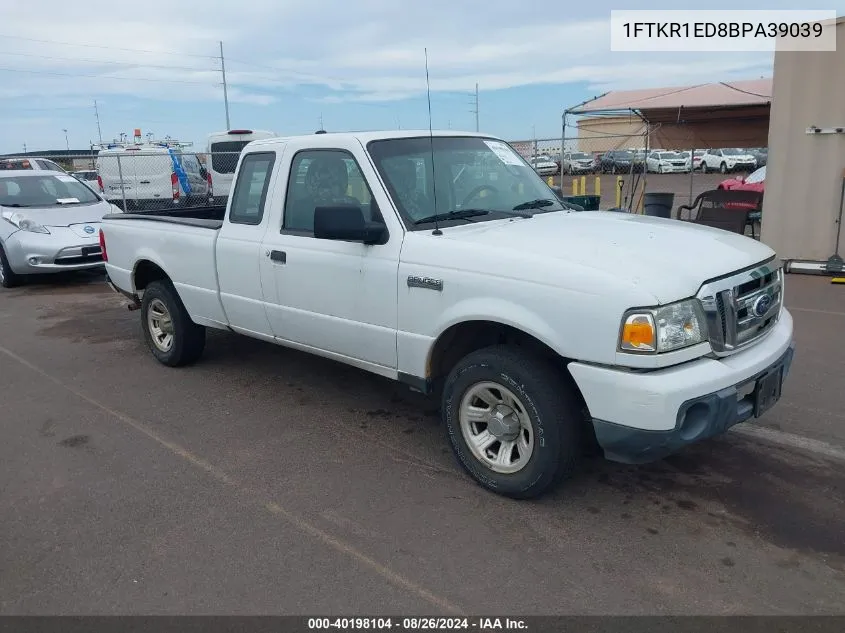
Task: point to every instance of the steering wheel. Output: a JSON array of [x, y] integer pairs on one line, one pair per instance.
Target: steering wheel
[[472, 194]]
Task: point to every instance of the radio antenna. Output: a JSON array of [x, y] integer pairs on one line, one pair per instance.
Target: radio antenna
[[437, 230]]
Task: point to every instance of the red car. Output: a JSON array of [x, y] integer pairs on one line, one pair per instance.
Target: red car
[[755, 181]]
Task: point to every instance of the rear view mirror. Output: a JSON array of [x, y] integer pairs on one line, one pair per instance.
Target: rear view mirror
[[346, 222]]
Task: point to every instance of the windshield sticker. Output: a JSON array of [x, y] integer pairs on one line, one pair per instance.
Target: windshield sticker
[[504, 152], [67, 200], [64, 178]]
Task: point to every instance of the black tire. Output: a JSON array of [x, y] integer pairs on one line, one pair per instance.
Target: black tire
[[723, 168], [549, 399], [8, 277], [188, 341]]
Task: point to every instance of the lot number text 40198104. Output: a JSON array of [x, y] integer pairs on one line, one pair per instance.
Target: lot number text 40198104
[[482, 625], [721, 29]]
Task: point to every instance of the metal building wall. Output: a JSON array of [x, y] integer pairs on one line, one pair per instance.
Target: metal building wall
[[804, 172]]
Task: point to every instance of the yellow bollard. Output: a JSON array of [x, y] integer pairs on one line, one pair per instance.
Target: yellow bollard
[[551, 181], [598, 186], [574, 186], [583, 185], [619, 185]]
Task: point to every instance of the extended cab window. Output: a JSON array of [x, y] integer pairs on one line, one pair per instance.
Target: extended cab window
[[251, 188], [324, 178]]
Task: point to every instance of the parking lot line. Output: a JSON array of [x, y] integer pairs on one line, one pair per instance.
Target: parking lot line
[[813, 310], [270, 506], [793, 441]]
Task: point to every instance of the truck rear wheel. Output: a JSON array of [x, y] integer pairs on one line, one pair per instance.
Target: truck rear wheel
[[514, 422], [172, 337]]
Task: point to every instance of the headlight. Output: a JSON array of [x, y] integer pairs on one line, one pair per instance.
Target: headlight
[[23, 223], [663, 329]]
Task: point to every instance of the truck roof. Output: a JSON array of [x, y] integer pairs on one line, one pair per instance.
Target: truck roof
[[366, 137]]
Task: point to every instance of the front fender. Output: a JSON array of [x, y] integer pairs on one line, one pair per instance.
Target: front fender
[[502, 311]]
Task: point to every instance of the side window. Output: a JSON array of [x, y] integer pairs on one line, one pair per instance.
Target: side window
[[251, 186], [324, 178]]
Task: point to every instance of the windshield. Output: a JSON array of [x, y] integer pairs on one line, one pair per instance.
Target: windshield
[[623, 155], [670, 155], [757, 176], [733, 151], [484, 175], [225, 154], [44, 190], [579, 156]]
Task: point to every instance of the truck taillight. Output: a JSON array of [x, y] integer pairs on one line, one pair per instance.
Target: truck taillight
[[100, 184], [103, 246], [174, 182]]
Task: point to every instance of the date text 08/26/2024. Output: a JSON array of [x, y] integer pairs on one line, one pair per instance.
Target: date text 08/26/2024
[[481, 624]]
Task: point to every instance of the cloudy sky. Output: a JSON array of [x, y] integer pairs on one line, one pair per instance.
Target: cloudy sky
[[359, 64]]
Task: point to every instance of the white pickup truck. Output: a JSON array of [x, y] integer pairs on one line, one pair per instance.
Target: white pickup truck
[[445, 262]]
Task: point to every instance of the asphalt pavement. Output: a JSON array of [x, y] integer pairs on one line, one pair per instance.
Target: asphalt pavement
[[267, 481]]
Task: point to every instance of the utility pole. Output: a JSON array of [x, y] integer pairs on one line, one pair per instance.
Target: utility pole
[[67, 145], [97, 116], [475, 108], [24, 148], [225, 90]]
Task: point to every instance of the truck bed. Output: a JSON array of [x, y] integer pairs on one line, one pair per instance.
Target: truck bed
[[207, 217]]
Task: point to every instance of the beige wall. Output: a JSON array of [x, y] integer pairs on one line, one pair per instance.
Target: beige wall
[[804, 172], [602, 134]]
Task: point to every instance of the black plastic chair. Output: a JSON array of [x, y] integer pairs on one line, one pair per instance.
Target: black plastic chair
[[717, 205]]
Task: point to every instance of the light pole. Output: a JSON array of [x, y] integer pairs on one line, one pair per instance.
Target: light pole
[[67, 144]]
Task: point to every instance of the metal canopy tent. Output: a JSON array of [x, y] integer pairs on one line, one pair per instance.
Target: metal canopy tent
[[719, 114]]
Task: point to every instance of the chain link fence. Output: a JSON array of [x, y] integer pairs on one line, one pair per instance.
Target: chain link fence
[[158, 179]]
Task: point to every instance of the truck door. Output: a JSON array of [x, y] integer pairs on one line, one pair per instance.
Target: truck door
[[333, 296], [239, 248]]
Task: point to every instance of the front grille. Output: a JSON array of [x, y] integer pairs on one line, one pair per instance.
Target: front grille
[[742, 308], [73, 261]]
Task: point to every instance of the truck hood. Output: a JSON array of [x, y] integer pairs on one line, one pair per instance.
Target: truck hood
[[669, 259]]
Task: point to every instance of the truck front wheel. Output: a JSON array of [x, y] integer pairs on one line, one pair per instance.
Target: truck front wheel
[[172, 337], [514, 422]]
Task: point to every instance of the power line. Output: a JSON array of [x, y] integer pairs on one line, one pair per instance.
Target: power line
[[112, 48], [105, 61], [47, 72]]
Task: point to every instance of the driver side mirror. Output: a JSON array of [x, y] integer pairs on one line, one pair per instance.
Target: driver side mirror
[[346, 223]]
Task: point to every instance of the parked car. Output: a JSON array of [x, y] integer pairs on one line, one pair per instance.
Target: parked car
[[662, 162], [149, 176], [755, 181], [36, 164], [761, 155], [578, 163], [88, 177], [544, 165], [620, 162], [728, 159], [49, 223], [535, 327]]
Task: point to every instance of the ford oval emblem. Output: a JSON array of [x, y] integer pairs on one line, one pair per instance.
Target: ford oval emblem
[[89, 229], [762, 305]]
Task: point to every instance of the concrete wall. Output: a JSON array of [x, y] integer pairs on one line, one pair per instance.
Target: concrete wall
[[804, 172]]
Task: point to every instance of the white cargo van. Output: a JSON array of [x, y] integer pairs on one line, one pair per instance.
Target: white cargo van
[[224, 149], [151, 176]]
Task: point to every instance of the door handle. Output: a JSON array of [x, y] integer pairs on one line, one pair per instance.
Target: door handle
[[279, 256]]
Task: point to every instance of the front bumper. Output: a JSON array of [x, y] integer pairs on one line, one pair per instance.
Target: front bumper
[[641, 417], [60, 250]]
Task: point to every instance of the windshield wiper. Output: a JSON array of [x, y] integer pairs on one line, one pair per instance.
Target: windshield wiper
[[539, 203], [457, 214], [462, 214]]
